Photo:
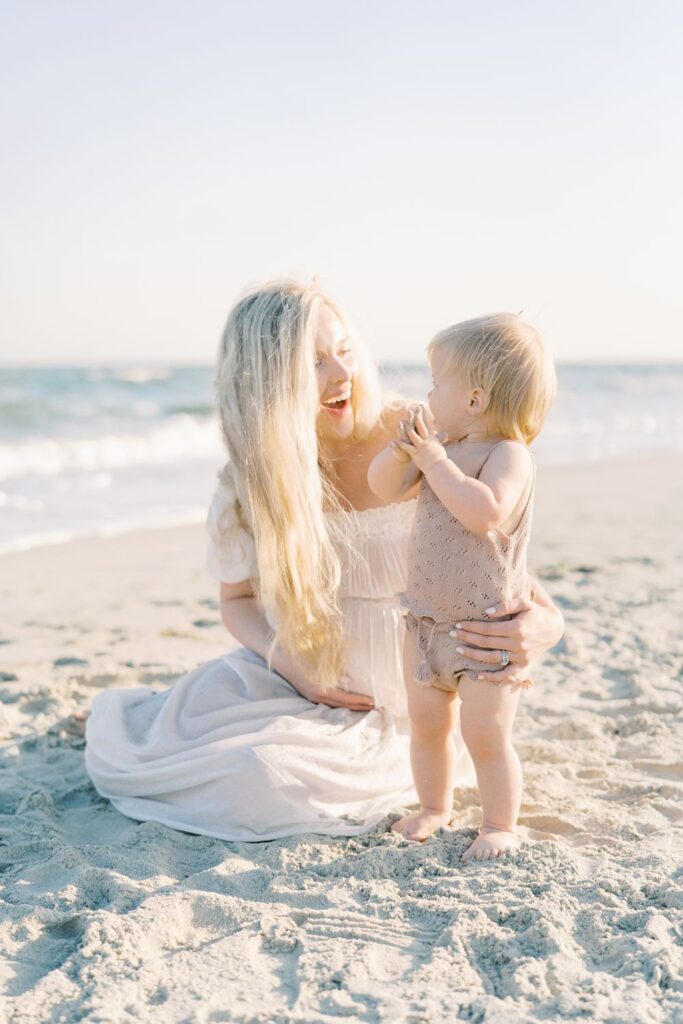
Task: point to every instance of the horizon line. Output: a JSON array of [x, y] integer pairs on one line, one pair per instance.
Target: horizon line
[[408, 364]]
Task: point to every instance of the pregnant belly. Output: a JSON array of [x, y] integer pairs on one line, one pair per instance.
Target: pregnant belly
[[374, 632]]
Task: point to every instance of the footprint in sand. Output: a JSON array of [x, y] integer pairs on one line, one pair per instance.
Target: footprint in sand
[[56, 941], [549, 824], [161, 676], [591, 773], [661, 769], [96, 678]]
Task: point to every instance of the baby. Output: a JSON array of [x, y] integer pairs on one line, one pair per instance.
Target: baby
[[493, 386]]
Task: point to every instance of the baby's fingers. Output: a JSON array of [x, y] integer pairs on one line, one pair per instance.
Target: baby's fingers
[[403, 428], [428, 418], [414, 437], [420, 426]]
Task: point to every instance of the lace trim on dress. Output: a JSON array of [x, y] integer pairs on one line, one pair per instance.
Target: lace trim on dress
[[394, 512]]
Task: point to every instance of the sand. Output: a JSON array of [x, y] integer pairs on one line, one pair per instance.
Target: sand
[[108, 920]]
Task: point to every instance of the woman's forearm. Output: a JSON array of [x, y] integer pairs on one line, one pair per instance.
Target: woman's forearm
[[555, 617], [390, 477], [246, 620]]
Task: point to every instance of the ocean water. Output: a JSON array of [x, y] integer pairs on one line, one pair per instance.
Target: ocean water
[[95, 451]]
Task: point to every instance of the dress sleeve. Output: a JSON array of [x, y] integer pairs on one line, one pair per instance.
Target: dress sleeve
[[231, 554]]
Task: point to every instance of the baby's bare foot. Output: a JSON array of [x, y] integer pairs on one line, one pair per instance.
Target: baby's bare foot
[[490, 844], [420, 825]]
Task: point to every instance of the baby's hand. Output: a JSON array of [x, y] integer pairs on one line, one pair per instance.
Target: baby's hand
[[420, 442], [406, 421]]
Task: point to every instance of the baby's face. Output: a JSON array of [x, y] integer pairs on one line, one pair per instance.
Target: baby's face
[[449, 399]]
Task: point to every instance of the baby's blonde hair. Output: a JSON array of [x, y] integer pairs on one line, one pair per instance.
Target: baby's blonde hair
[[268, 402], [506, 358]]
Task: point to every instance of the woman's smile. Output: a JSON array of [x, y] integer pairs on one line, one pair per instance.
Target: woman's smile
[[337, 405]]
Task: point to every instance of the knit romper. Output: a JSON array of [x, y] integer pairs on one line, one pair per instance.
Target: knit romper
[[453, 575]]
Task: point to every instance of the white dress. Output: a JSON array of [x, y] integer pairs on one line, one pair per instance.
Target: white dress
[[233, 750]]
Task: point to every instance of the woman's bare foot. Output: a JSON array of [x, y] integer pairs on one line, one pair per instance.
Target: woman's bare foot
[[420, 825], [74, 725], [490, 844]]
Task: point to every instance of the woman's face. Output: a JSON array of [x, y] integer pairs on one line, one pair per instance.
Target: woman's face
[[335, 367]]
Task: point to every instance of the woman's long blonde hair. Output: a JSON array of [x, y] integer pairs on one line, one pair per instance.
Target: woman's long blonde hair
[[268, 401]]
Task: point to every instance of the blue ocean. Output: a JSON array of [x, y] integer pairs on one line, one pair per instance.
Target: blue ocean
[[94, 451]]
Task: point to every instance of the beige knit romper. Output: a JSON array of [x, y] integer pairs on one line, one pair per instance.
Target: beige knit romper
[[454, 575]]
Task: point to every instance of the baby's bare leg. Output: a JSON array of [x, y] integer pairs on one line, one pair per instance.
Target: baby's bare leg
[[486, 719], [432, 754]]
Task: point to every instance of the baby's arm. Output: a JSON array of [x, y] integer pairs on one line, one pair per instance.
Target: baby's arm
[[480, 505], [392, 473]]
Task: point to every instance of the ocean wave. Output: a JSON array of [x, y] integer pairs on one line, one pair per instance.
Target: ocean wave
[[180, 439], [193, 409], [138, 374]]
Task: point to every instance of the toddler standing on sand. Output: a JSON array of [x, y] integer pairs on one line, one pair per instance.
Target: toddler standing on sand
[[493, 386]]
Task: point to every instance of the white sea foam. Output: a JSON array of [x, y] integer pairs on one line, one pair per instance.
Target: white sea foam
[[140, 374], [27, 541], [183, 437]]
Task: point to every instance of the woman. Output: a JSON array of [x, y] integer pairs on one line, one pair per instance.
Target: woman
[[304, 728]]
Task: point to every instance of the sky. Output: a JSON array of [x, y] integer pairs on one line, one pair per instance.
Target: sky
[[427, 161]]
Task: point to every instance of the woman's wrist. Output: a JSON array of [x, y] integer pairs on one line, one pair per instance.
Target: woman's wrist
[[286, 666], [399, 455], [554, 618], [545, 628], [558, 620]]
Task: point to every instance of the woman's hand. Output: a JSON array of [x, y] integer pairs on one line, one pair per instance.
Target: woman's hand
[[335, 697], [534, 628]]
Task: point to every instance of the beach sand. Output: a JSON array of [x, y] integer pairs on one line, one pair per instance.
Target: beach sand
[[108, 920]]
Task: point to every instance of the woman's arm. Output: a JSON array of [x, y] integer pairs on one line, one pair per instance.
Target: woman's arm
[[536, 626], [243, 616], [391, 475]]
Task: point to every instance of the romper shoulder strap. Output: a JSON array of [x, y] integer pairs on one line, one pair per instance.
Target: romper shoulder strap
[[487, 457], [527, 504]]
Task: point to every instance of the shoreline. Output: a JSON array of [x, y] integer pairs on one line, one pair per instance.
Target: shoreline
[[615, 463]]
